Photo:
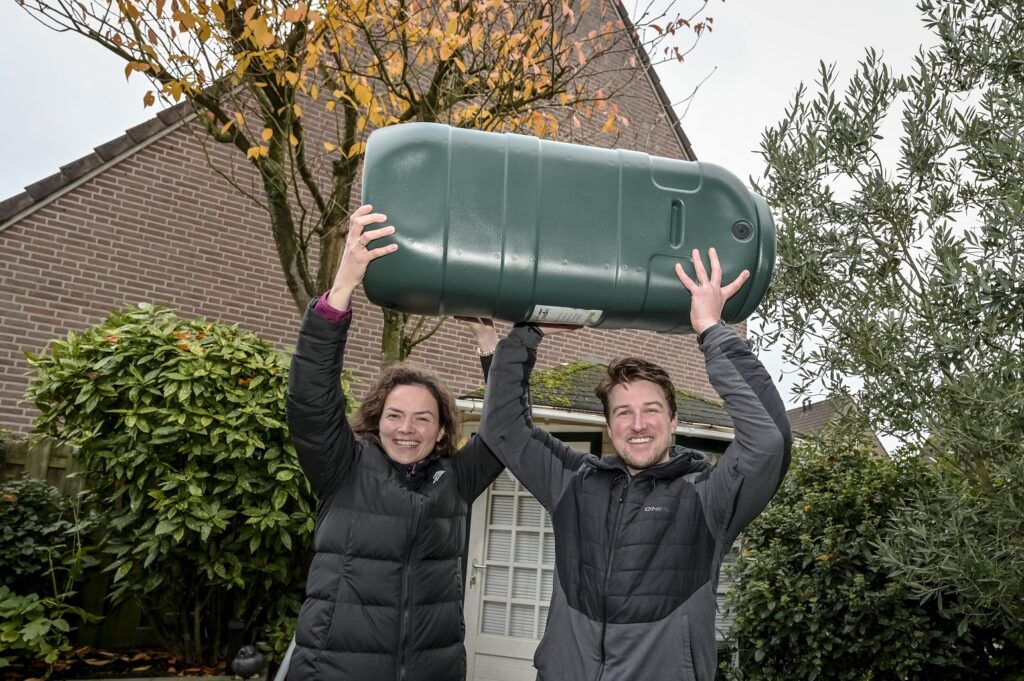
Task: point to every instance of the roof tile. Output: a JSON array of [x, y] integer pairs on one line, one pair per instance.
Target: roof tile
[[14, 205], [82, 166], [114, 147], [143, 131], [43, 188], [810, 418]]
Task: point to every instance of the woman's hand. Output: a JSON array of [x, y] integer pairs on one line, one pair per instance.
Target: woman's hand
[[483, 333], [358, 254], [552, 329]]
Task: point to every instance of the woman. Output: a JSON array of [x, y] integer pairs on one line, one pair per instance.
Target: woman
[[384, 593]]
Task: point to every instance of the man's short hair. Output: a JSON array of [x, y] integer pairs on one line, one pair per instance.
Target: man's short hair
[[629, 370]]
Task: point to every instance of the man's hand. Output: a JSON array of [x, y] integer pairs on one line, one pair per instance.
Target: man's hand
[[707, 295]]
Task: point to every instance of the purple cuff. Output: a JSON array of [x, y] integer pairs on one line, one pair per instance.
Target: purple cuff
[[331, 314]]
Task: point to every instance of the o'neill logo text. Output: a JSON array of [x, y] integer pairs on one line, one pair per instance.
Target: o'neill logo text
[[657, 509]]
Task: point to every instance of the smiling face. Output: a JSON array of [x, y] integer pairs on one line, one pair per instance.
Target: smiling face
[[640, 424], [409, 425]]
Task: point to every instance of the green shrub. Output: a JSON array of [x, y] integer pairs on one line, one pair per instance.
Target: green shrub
[[813, 598], [279, 632], [42, 557], [34, 524], [36, 628], [180, 428]]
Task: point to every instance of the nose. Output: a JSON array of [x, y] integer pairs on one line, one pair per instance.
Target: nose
[[406, 426], [638, 422]]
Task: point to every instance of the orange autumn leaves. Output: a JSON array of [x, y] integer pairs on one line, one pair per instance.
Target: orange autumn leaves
[[487, 64]]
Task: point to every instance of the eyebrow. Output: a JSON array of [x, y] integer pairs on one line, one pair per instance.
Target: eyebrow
[[399, 411], [655, 403]]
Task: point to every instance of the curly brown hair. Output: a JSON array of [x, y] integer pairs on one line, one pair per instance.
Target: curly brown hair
[[630, 369], [366, 421]]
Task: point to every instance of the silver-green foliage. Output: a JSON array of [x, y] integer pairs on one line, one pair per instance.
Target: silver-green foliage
[[180, 427], [901, 264]]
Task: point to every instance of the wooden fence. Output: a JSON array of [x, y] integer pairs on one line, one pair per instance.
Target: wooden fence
[[43, 459]]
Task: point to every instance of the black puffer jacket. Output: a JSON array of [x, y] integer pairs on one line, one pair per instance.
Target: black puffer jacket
[[384, 592]]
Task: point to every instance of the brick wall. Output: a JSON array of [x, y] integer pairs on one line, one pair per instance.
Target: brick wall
[[161, 226]]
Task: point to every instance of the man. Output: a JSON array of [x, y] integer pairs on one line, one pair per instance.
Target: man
[[639, 536]]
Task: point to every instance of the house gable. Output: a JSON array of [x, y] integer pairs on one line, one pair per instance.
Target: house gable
[[147, 218]]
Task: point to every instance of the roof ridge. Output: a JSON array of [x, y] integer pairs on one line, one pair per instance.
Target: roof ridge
[[655, 81], [40, 193], [106, 155]]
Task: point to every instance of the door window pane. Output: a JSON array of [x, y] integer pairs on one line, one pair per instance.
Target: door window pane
[[524, 584], [493, 621], [520, 556], [496, 582]]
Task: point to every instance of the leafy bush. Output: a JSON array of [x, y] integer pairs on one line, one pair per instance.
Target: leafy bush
[[984, 589], [34, 533], [41, 559], [814, 599], [34, 627], [279, 633], [24, 625], [180, 427]]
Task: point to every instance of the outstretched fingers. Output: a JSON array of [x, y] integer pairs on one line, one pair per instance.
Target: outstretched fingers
[[716, 268], [689, 284], [698, 268], [730, 290], [707, 295], [358, 254]]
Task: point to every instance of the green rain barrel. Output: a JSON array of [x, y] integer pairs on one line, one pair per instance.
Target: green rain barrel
[[516, 228]]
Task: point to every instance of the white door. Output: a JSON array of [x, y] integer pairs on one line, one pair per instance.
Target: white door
[[509, 577]]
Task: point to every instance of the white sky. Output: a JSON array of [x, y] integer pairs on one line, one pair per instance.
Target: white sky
[[63, 95]]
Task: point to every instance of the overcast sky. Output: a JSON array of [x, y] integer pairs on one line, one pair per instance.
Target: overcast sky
[[63, 95]]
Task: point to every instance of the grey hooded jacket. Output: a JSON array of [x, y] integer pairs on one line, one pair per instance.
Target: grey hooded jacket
[[637, 557]]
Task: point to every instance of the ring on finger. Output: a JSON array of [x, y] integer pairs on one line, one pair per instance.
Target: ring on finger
[[363, 242]]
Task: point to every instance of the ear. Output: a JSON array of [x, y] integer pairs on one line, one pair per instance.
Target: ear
[[675, 423], [440, 435]]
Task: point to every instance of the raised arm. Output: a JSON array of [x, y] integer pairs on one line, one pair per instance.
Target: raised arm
[[475, 465], [746, 477], [315, 404], [542, 463]]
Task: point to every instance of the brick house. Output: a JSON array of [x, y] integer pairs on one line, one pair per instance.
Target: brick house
[[145, 218], [811, 419]]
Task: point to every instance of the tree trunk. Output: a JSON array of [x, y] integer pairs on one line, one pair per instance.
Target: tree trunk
[[283, 228], [392, 345]]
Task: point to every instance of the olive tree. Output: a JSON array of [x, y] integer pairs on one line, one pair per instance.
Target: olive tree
[[901, 263]]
